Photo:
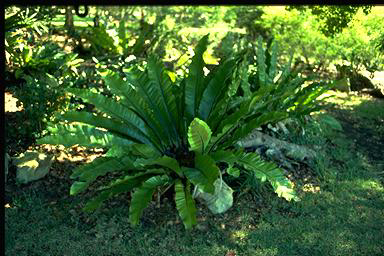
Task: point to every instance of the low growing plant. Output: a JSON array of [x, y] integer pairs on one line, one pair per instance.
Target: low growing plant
[[40, 97], [48, 58], [160, 135]]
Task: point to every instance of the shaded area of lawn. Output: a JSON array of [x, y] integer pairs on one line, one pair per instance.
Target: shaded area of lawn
[[347, 220]]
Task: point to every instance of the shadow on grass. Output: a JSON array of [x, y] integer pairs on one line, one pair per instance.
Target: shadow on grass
[[347, 222], [346, 219]]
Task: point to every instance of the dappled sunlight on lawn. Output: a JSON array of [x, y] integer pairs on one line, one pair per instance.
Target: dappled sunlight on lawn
[[73, 154], [344, 100], [373, 185]]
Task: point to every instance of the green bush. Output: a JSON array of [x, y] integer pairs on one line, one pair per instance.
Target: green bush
[[100, 41], [302, 32], [48, 58], [161, 134], [286, 89], [40, 96]]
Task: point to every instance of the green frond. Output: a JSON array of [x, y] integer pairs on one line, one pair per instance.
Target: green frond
[[151, 95], [261, 66], [139, 175], [185, 204], [164, 161], [166, 102], [144, 150], [207, 166], [135, 150], [224, 156], [198, 178], [125, 184], [230, 123], [143, 195], [286, 71], [111, 125], [218, 113], [99, 167], [267, 171], [273, 64], [69, 135], [246, 129], [134, 99], [233, 171], [215, 89], [112, 108], [204, 174], [194, 81], [242, 77], [199, 135]]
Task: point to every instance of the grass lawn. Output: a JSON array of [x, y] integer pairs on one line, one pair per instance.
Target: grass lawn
[[343, 216]]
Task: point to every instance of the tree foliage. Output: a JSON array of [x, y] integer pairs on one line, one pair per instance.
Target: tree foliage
[[334, 18]]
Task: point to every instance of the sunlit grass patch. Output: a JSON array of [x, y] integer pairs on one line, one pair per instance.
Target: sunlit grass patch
[[343, 99], [75, 23]]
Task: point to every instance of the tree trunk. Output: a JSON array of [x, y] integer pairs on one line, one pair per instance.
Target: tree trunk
[[69, 18]]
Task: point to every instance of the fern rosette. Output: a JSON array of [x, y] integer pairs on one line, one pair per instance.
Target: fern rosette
[[161, 134]]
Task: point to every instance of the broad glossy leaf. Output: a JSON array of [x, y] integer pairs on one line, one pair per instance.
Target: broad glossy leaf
[[143, 195], [207, 166], [221, 200], [198, 178], [185, 204], [164, 161], [199, 135]]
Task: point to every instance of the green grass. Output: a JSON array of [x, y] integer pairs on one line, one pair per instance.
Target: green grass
[[59, 21], [346, 217]]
